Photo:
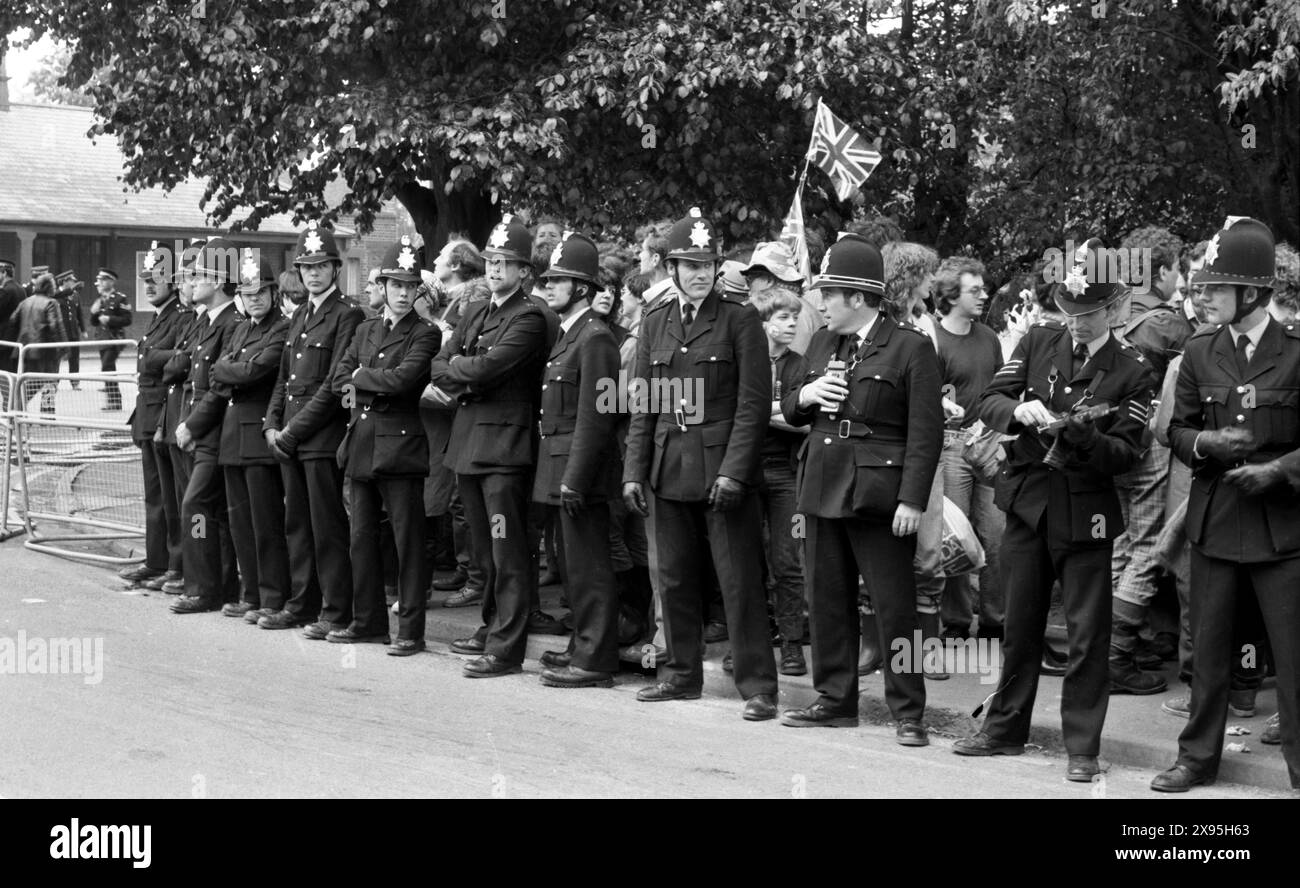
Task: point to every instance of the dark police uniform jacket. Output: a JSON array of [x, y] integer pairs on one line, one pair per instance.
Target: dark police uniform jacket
[[157, 346], [304, 404], [497, 382], [722, 367], [1079, 500], [1222, 521], [208, 342], [176, 375], [576, 423], [386, 438], [882, 447], [244, 377], [119, 314]]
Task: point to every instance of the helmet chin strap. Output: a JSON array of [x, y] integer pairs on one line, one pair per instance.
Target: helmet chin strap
[[1244, 308]]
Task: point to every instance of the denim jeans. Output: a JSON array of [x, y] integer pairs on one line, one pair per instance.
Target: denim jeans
[[963, 598], [782, 550]]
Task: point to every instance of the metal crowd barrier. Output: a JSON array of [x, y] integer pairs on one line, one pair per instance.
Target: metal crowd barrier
[[70, 468], [10, 525]]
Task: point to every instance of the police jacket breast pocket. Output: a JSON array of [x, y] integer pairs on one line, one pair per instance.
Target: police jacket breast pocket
[[715, 371], [560, 391], [1007, 484], [502, 435], [401, 448], [1277, 417], [877, 389], [877, 476], [315, 361]]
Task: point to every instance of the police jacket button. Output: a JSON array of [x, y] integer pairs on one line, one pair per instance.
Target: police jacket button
[[827, 441], [298, 356], [715, 357], [683, 349], [1241, 390], [1240, 418], [381, 354], [543, 387], [889, 462], [1067, 389]]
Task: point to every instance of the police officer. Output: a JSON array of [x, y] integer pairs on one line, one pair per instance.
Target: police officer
[[305, 423], [576, 464], [492, 365], [1236, 423], [209, 556], [111, 312], [1062, 510], [161, 499], [386, 453], [243, 378], [11, 293], [697, 448], [74, 318], [865, 475]]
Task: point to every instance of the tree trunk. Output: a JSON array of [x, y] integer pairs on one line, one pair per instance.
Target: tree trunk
[[438, 215]]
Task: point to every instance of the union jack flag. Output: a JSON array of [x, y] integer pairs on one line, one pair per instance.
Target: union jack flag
[[841, 153]]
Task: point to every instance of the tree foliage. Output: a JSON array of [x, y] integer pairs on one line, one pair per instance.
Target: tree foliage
[[1005, 124]]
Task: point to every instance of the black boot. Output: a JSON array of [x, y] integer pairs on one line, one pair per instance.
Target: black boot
[[869, 657], [1125, 676]]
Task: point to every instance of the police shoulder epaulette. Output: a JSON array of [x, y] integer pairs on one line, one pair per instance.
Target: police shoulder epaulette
[[1130, 351], [1050, 324], [1207, 330], [1292, 330]]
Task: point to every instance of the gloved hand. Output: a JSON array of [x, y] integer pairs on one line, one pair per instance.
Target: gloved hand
[[634, 498], [726, 494], [1257, 478], [572, 501], [273, 444], [1080, 432], [1228, 446]]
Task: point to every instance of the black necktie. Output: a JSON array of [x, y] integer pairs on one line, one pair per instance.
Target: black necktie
[[848, 348], [1080, 358], [1242, 361], [688, 316], [388, 325], [311, 309]]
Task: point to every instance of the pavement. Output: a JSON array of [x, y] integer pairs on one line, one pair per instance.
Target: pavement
[[205, 704]]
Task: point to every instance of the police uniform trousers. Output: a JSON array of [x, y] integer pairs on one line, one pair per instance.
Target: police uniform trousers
[[1031, 560], [209, 554], [683, 536], [582, 554], [316, 527], [162, 513], [1216, 589], [496, 509], [838, 551], [403, 499], [108, 364], [255, 496]]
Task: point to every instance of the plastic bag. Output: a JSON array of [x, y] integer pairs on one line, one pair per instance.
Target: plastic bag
[[960, 550]]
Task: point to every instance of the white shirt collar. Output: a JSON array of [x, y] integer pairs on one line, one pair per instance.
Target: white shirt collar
[[214, 313], [162, 308], [1253, 334], [1096, 344], [317, 301], [862, 334], [393, 319], [567, 324]]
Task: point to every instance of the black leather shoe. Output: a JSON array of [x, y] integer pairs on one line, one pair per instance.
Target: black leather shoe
[[1126, 678], [405, 647], [319, 630], [792, 661], [714, 632], [1180, 778], [643, 654], [760, 707], [1053, 663], [490, 666], [236, 609], [138, 573], [453, 582], [666, 690], [171, 576], [911, 733], [1179, 706], [542, 623], [556, 659], [728, 665], [281, 619], [1082, 768], [817, 716], [1241, 703], [569, 676], [175, 586], [476, 644], [253, 616], [464, 598], [353, 636], [983, 744], [192, 604]]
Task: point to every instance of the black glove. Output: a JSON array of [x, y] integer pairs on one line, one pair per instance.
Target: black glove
[[726, 494], [634, 498], [1228, 446], [1080, 432], [1257, 478], [572, 501]]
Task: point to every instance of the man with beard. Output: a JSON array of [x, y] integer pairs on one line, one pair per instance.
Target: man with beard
[[162, 527], [304, 426], [492, 365]]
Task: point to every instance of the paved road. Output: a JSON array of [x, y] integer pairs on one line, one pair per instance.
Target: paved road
[[209, 705]]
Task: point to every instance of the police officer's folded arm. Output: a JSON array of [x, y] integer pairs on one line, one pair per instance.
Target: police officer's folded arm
[[262, 365], [413, 370], [320, 410], [340, 381], [207, 412], [517, 344]]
